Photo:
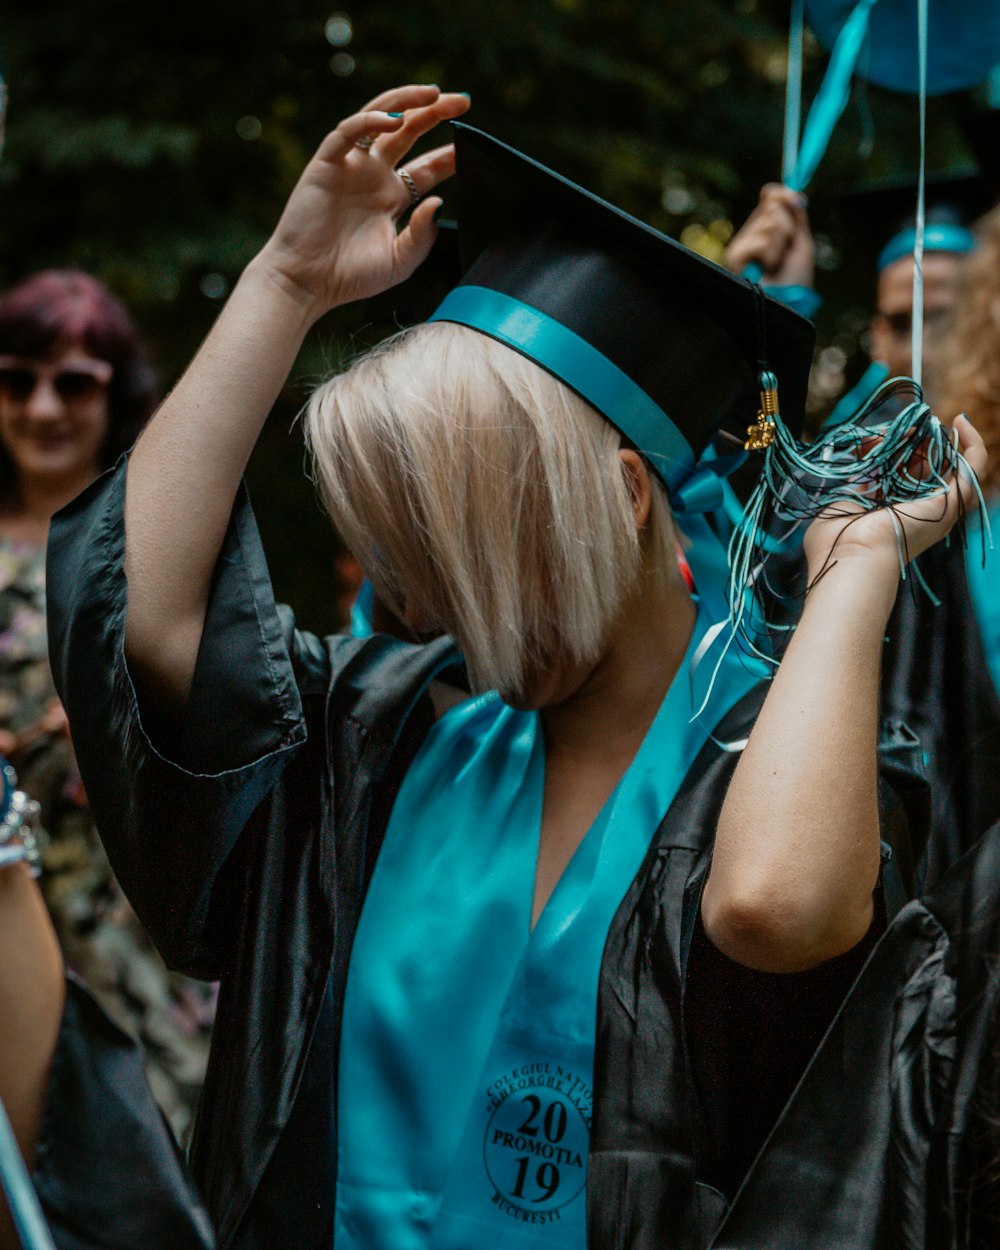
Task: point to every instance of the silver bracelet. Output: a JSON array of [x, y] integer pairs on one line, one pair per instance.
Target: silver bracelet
[[21, 835]]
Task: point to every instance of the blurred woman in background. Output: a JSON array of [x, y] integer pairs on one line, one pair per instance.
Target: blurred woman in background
[[76, 387]]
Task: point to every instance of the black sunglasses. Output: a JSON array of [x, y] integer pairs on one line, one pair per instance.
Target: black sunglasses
[[18, 383]]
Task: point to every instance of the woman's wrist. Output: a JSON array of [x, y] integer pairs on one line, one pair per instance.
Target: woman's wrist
[[869, 579], [277, 294]]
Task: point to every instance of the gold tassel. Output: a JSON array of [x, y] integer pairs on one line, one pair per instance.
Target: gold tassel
[[760, 435]]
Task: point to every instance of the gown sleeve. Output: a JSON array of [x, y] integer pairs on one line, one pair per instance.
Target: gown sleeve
[[107, 1170], [176, 796], [750, 1034], [890, 1138]]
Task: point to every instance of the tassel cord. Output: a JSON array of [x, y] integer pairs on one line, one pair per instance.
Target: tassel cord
[[876, 461]]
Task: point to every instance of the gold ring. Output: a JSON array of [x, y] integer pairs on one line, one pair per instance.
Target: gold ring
[[410, 185]]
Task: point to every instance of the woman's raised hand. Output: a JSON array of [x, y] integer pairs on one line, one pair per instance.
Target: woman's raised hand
[[338, 238], [846, 533]]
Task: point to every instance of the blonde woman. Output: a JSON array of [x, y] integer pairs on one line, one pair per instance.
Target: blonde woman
[[455, 934]]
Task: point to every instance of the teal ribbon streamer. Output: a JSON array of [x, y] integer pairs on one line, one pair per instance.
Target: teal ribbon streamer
[[827, 107], [832, 97], [21, 1198]]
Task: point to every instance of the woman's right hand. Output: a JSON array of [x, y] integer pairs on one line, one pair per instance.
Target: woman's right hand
[[337, 239]]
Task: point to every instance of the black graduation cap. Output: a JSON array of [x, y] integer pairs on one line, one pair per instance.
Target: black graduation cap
[[635, 322], [878, 219]]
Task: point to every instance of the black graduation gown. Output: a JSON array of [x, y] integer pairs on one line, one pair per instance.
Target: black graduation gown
[[107, 1170], [246, 841], [937, 679], [892, 1140]]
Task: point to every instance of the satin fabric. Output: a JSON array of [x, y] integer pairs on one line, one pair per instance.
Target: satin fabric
[[493, 1110], [444, 925]]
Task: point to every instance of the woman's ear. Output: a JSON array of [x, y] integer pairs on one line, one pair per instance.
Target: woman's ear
[[637, 479]]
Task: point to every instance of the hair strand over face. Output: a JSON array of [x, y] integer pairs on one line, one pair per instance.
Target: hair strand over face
[[472, 484]]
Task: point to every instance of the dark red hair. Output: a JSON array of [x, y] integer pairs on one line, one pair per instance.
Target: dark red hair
[[61, 308]]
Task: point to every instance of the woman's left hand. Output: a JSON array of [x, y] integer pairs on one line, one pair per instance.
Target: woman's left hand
[[849, 534]]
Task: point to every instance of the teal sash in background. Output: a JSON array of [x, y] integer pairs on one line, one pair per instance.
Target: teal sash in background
[[984, 585]]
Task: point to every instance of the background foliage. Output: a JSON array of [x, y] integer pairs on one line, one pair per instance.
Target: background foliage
[[154, 146]]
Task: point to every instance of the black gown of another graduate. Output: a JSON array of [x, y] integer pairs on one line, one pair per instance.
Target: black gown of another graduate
[[246, 841], [892, 1140], [108, 1172]]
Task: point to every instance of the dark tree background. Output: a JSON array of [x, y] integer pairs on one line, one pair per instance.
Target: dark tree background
[[154, 146]]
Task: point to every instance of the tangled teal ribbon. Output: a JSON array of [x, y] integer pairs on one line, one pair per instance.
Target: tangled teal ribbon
[[889, 455]]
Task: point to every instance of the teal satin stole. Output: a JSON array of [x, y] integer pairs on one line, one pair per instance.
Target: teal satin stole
[[984, 585], [466, 1065]]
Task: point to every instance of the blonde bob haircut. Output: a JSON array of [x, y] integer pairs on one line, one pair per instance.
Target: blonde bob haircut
[[479, 490]]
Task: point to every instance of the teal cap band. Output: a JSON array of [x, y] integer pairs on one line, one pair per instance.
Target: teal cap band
[[938, 237], [582, 367]]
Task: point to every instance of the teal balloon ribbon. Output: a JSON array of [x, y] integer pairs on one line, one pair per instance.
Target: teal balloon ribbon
[[21, 1198], [827, 108], [832, 97]]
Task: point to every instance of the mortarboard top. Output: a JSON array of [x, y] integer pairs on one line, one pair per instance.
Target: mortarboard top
[[878, 219], [665, 344]]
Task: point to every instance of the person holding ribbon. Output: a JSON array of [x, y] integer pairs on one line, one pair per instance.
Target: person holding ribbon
[[526, 942]]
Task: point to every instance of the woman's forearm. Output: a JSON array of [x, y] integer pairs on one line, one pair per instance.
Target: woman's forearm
[[185, 471], [31, 1002], [797, 851], [338, 240]]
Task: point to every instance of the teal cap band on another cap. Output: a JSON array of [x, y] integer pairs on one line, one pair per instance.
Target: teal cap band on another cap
[[582, 367], [938, 237]]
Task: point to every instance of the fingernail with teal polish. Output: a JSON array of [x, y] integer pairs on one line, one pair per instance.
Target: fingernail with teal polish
[[438, 211], [467, 94], [394, 114]]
